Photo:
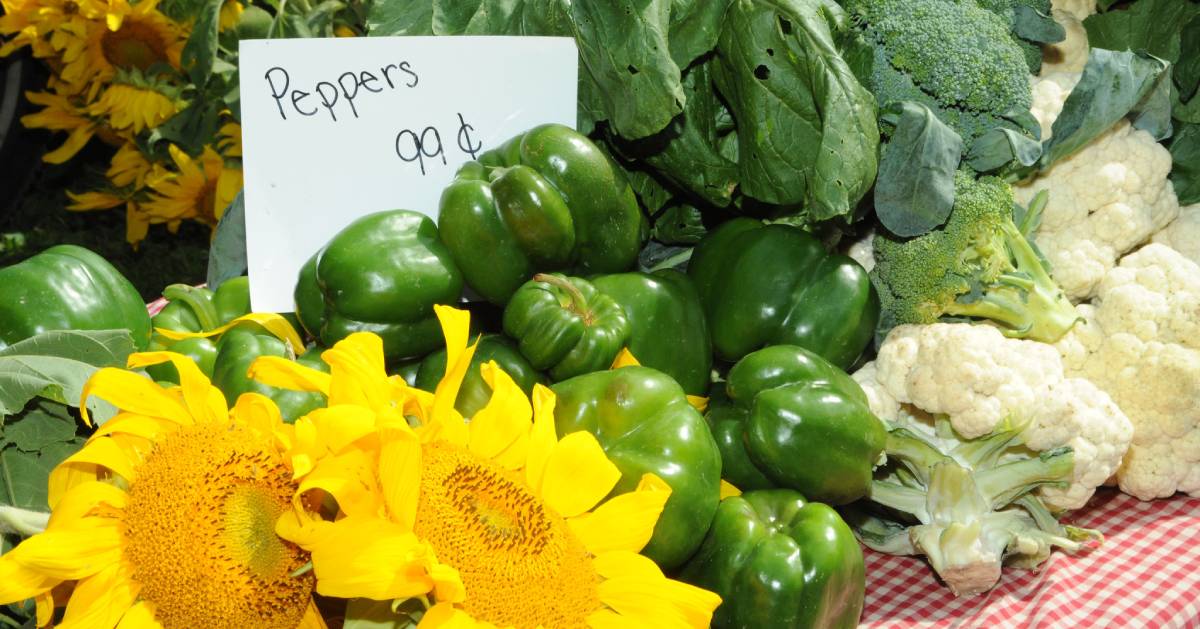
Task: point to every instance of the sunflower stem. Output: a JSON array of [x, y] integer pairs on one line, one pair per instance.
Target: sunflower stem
[[23, 522]]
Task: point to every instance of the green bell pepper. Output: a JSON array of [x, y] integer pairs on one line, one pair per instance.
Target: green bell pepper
[[239, 347], [474, 392], [382, 273], [667, 328], [67, 287], [194, 309], [774, 285], [642, 419], [546, 200], [565, 326], [795, 420], [778, 561]]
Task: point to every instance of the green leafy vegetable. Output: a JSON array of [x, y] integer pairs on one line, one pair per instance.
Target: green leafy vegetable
[[55, 365], [1153, 26], [1185, 172], [810, 134], [915, 190], [200, 52], [400, 17], [227, 255], [680, 224]]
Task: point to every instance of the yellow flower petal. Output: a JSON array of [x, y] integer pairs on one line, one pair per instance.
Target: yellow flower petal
[[18, 583], [133, 424], [274, 323], [347, 477], [288, 374], [578, 475], [101, 600], [543, 438], [312, 618], [446, 616], [135, 394], [364, 557], [205, 403], [140, 616], [727, 489], [107, 453], [500, 430], [400, 474], [636, 588], [446, 422], [698, 402], [341, 425], [608, 619], [359, 377], [78, 137], [44, 605], [625, 358], [70, 552], [82, 498], [625, 522], [258, 412]]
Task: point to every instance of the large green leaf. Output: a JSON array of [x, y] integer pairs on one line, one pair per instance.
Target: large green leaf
[[1185, 172], [695, 26], [1114, 85], [400, 17], [24, 475], [200, 52], [806, 126], [55, 365], [915, 189], [227, 255], [1187, 69], [1150, 25]]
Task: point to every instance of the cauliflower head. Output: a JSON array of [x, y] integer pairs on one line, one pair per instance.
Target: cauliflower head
[[1140, 343], [1070, 54], [1105, 200], [979, 379], [1183, 234]]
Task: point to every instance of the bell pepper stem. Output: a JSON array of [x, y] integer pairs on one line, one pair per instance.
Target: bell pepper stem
[[202, 307], [579, 304]]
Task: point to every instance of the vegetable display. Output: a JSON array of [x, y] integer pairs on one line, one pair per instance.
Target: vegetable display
[[239, 348], [191, 309], [475, 391]]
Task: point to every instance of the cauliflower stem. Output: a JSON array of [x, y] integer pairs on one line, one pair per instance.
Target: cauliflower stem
[[972, 506]]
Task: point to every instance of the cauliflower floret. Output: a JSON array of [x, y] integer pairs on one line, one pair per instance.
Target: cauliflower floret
[[1106, 199], [1070, 54], [978, 379], [1140, 342], [862, 250], [1183, 234]]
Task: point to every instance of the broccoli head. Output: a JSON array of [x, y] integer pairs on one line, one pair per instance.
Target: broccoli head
[[955, 57], [1037, 27], [979, 265]]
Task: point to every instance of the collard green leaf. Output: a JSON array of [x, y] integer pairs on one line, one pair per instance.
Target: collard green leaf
[[1149, 25], [200, 51], [999, 147], [459, 17], [1185, 170], [1187, 69], [1031, 25], [915, 189], [400, 17], [55, 365], [1113, 85], [227, 255], [680, 224], [695, 25], [807, 129], [656, 256]]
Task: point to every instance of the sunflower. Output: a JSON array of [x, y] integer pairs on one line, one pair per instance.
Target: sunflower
[[231, 14], [34, 23], [132, 36], [62, 113], [495, 520], [165, 518], [229, 139], [137, 222], [129, 167], [133, 108], [201, 189]]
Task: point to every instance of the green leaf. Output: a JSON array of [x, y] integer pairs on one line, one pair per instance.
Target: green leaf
[[56, 365], [1031, 25], [915, 190], [227, 256], [1113, 85], [681, 224], [189, 129], [39, 426], [695, 25], [1185, 171], [24, 475], [1148, 25], [1187, 69], [1000, 146], [656, 256], [400, 17], [807, 129], [200, 52]]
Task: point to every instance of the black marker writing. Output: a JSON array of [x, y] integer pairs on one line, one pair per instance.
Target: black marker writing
[[464, 138], [410, 147]]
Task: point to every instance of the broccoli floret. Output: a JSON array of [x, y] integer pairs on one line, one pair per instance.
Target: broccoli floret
[[1049, 30], [955, 57], [979, 265]]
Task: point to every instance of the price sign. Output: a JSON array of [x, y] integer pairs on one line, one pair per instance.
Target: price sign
[[334, 129]]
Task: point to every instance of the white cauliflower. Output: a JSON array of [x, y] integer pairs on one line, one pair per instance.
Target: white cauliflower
[[1069, 55], [979, 379], [1105, 200], [1140, 342], [1183, 234], [862, 250]]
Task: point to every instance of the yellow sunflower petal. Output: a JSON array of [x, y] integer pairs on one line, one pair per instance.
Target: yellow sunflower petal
[[500, 430], [44, 606], [140, 616], [636, 588], [205, 403], [101, 600], [258, 412], [78, 137], [288, 374], [359, 377], [446, 616], [400, 474], [365, 557], [82, 498], [608, 619], [18, 582], [543, 437], [625, 522], [79, 550], [133, 424], [578, 475], [134, 393], [347, 477], [276, 324], [312, 618], [341, 425], [625, 358], [698, 402], [105, 453], [447, 423], [728, 489]]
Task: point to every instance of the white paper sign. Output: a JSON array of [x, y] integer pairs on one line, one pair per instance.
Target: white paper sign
[[334, 129]]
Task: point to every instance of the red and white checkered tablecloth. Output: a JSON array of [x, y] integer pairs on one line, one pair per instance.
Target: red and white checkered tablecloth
[[1146, 574]]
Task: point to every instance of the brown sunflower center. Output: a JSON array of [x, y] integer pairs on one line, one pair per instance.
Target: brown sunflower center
[[517, 558], [200, 532], [134, 45]]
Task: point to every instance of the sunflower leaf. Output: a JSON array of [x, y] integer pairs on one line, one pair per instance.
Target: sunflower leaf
[[227, 257], [200, 51], [55, 365]]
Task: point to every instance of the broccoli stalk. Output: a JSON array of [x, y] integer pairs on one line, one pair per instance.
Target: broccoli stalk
[[972, 506], [979, 265]]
